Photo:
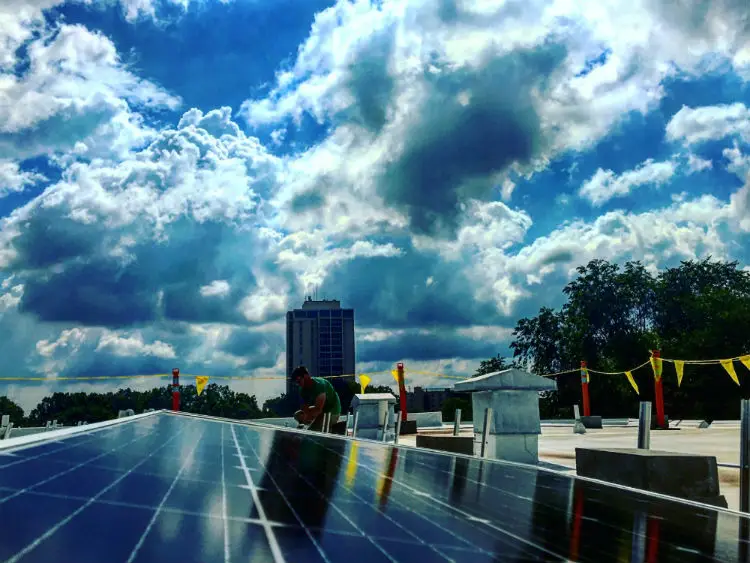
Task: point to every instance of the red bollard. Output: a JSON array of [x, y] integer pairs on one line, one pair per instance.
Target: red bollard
[[401, 390], [176, 389], [585, 390]]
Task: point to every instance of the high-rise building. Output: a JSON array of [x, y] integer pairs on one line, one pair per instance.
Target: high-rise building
[[320, 336]]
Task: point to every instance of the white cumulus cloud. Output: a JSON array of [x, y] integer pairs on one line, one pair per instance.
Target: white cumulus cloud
[[605, 185]]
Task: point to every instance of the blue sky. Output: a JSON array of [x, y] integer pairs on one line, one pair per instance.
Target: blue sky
[[176, 174]]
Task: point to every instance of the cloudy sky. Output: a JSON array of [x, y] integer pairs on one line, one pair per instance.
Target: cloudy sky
[[176, 174]]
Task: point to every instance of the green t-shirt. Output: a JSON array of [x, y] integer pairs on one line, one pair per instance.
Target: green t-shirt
[[320, 385]]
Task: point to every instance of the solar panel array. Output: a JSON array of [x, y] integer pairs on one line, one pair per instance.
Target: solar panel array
[[177, 488]]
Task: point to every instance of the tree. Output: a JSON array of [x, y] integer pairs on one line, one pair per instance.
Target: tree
[[492, 365], [704, 313], [12, 409], [452, 403], [216, 400], [282, 406], [614, 316], [379, 389]]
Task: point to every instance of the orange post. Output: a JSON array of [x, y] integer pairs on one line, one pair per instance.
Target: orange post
[[658, 389], [585, 389], [401, 390], [176, 389]]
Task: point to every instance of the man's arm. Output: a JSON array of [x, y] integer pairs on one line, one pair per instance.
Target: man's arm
[[312, 412]]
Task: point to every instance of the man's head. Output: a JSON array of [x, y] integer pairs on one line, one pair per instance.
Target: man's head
[[301, 376]]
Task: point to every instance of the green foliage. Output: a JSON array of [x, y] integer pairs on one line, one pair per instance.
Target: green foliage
[[219, 400], [614, 316], [452, 403], [69, 408], [492, 365], [12, 409], [379, 389], [281, 406]]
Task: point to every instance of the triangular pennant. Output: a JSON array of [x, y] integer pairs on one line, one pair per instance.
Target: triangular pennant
[[632, 381], [200, 382], [656, 365], [745, 361], [394, 373], [729, 366], [364, 381], [679, 367]]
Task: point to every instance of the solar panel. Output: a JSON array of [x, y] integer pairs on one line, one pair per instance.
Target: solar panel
[[179, 488]]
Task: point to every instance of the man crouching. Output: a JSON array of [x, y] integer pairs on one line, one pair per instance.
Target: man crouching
[[318, 398]]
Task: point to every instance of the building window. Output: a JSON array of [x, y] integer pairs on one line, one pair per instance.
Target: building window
[[348, 313]]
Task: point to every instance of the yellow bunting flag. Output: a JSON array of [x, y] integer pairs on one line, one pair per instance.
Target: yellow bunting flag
[[729, 366], [656, 364], [632, 381], [200, 382], [679, 367], [364, 381], [745, 361], [394, 373]]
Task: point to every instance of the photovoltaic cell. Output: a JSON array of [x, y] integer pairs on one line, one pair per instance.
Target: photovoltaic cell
[[178, 488]]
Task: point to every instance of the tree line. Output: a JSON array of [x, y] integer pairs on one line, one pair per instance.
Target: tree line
[[70, 408], [215, 400], [614, 316]]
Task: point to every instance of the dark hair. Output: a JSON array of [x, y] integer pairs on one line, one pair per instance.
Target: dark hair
[[299, 371]]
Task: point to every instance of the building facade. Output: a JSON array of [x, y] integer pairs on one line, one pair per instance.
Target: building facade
[[320, 336]]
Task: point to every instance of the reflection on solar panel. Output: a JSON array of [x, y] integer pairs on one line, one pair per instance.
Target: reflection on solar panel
[[178, 488]]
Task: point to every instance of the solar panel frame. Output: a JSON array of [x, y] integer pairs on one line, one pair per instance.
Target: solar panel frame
[[417, 518]]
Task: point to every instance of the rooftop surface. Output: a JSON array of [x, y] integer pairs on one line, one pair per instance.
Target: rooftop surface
[[174, 487], [557, 445]]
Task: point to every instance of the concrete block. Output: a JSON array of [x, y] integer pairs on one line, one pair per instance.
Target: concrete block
[[687, 476], [591, 421], [513, 412], [408, 427], [427, 419], [372, 409], [452, 444], [521, 448], [513, 396]]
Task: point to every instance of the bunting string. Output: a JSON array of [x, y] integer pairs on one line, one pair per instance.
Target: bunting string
[[365, 379], [679, 365]]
